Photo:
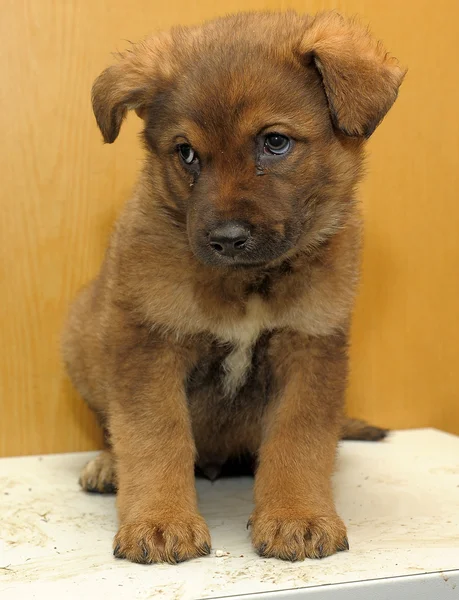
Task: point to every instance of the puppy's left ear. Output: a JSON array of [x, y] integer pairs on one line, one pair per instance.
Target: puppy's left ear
[[360, 78]]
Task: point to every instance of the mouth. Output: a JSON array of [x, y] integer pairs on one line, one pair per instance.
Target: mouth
[[236, 263]]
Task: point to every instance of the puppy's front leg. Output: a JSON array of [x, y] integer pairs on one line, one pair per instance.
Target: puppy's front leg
[[155, 452], [294, 515]]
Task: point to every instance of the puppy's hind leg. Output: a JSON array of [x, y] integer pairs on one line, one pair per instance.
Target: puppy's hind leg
[[99, 474]]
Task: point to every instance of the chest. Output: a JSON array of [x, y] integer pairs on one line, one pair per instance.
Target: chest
[[228, 376], [240, 337]]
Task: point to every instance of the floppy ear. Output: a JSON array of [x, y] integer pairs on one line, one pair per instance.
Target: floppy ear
[[129, 84], [360, 78]]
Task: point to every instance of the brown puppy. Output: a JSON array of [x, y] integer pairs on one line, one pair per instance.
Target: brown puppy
[[218, 325]]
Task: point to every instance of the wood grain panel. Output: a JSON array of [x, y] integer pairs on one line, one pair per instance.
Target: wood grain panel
[[61, 190]]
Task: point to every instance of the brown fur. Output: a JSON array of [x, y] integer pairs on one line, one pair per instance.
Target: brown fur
[[189, 356]]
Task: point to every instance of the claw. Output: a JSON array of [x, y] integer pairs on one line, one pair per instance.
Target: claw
[[262, 549], [145, 560], [206, 548], [109, 488]]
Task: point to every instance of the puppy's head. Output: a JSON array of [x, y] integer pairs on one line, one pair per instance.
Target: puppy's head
[[254, 126]]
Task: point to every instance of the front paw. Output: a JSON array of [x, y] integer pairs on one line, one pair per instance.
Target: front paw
[[163, 540], [292, 536]]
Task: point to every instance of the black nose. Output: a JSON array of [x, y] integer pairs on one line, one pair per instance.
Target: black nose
[[229, 239]]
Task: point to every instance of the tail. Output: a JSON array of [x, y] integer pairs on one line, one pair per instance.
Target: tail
[[355, 429]]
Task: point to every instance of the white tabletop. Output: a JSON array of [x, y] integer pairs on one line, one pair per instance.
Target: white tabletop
[[399, 498]]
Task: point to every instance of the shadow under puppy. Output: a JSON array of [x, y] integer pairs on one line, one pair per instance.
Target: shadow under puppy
[[218, 325]]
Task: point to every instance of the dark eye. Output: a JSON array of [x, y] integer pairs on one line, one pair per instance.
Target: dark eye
[[187, 154], [275, 143]]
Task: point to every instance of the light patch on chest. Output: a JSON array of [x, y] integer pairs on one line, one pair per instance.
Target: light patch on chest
[[243, 334], [236, 367]]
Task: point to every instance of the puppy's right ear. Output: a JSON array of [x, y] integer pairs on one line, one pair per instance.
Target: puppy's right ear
[[129, 84], [113, 94]]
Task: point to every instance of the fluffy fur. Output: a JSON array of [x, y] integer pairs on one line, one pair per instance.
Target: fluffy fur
[[191, 357]]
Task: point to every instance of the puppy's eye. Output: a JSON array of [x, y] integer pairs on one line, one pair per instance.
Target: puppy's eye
[[275, 143], [187, 154]]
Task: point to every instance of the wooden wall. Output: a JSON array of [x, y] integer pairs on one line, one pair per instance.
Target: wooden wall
[[61, 189]]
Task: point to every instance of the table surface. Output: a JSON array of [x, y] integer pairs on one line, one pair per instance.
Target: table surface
[[399, 498]]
